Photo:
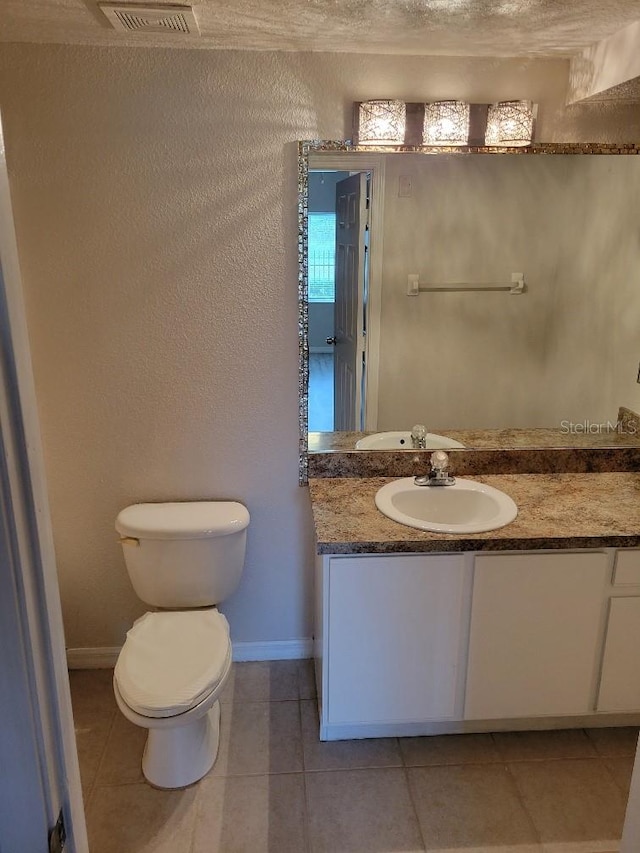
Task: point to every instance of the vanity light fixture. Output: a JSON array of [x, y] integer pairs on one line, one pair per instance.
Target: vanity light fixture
[[381, 122], [509, 124], [446, 123]]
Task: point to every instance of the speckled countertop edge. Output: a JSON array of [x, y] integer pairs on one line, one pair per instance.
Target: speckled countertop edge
[[407, 463], [554, 511]]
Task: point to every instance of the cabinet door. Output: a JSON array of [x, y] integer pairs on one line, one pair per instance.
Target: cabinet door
[[394, 638], [536, 620], [620, 680]]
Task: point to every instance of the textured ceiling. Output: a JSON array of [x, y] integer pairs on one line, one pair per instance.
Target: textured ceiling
[[531, 28]]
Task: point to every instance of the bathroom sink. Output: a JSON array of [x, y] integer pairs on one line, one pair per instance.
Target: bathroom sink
[[402, 441], [465, 507]]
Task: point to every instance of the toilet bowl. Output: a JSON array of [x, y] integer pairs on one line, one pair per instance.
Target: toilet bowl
[[174, 663]]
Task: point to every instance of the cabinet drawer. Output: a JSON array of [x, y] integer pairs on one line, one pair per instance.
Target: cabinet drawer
[[627, 568]]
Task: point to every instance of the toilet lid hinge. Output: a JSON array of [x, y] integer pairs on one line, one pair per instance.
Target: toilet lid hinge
[[129, 540]]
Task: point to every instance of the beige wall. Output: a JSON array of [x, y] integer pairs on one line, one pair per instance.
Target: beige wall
[[561, 351], [154, 196]]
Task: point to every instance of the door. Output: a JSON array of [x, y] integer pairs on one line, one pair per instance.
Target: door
[[620, 679], [348, 364], [535, 631], [395, 627], [40, 778]]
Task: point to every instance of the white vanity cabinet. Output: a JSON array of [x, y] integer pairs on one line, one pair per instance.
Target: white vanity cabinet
[[409, 644], [393, 640], [536, 627]]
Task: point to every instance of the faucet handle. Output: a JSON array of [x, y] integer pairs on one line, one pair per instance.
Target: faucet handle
[[419, 437], [439, 460]]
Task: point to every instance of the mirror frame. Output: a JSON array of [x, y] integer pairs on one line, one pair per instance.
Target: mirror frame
[[309, 147]]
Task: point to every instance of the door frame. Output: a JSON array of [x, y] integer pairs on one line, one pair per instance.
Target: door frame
[[375, 164], [38, 633], [349, 401]]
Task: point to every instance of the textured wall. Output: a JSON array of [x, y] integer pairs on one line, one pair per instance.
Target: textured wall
[[154, 197]]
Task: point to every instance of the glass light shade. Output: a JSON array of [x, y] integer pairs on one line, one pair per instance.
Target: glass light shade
[[382, 123], [509, 123], [446, 123]]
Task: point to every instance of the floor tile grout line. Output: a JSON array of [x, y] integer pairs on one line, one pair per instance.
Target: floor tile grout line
[[413, 806], [306, 823], [521, 799], [623, 793], [302, 738], [197, 811], [306, 819], [103, 752]]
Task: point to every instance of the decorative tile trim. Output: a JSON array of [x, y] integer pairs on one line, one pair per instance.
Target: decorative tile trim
[[315, 146]]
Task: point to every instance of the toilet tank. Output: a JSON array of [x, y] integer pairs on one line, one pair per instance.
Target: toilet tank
[[187, 554]]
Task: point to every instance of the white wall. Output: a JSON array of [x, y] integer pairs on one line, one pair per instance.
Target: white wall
[[560, 352], [155, 205]]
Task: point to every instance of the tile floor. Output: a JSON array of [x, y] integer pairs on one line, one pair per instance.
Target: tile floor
[[276, 789]]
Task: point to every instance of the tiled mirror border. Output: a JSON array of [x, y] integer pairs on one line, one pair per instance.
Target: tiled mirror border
[[309, 147]]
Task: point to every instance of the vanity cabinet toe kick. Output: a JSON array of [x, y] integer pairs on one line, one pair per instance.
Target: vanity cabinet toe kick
[[414, 644]]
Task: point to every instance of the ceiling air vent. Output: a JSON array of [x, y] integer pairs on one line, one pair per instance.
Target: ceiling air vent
[[127, 18]]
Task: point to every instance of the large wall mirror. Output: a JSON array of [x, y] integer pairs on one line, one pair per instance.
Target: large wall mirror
[[492, 297]]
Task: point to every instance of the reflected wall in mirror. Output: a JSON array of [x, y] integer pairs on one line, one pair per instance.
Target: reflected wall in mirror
[[461, 356]]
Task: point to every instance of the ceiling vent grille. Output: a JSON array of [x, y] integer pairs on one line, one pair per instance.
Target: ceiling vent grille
[[127, 18]]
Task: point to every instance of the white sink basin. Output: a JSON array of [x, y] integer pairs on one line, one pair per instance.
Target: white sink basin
[[402, 441], [465, 507]]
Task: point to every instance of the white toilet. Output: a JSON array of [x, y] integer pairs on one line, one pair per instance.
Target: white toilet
[[183, 558]]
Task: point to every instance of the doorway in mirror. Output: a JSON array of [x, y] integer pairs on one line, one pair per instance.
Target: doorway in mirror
[[321, 417], [321, 269], [337, 275]]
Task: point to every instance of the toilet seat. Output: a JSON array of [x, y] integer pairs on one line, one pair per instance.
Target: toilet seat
[[172, 660]]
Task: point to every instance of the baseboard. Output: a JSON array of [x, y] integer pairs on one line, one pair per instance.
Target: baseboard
[[106, 657], [274, 650]]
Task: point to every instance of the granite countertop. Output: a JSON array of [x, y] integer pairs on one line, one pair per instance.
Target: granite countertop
[[490, 439], [554, 511]]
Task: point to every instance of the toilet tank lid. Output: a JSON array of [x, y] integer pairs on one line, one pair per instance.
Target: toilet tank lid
[[182, 520]]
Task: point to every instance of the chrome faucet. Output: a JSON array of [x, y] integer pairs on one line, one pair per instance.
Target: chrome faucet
[[419, 437], [439, 474]]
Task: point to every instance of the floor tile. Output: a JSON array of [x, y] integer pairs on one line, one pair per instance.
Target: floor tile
[[307, 679], [343, 754], [259, 737], [471, 807], [122, 759], [141, 819], [92, 698], [262, 681], [615, 741], [571, 800], [535, 746], [448, 749], [91, 747], [94, 710], [621, 768], [361, 811], [251, 814]]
